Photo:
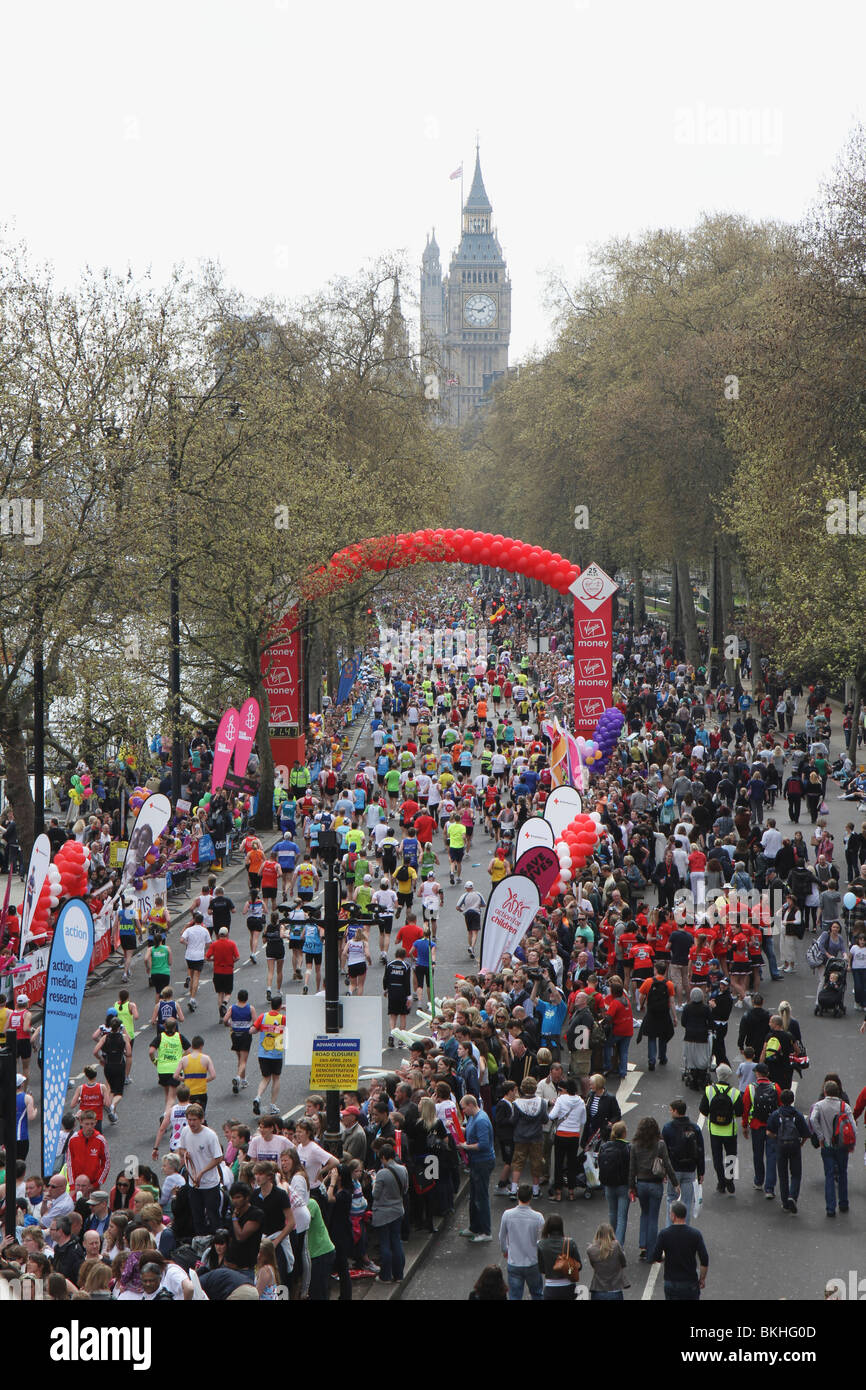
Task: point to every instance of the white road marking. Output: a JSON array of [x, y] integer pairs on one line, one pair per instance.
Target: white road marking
[[626, 1090], [651, 1282]]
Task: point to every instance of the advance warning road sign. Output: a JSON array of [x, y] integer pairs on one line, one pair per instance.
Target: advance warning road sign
[[335, 1064]]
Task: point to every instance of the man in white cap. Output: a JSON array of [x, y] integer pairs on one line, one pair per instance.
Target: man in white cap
[[471, 904], [432, 899]]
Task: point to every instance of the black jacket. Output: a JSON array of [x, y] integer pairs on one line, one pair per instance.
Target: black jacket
[[754, 1027]]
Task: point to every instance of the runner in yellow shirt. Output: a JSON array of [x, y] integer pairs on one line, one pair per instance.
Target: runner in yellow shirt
[[455, 834]]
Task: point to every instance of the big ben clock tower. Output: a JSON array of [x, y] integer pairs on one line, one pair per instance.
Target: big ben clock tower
[[477, 310]]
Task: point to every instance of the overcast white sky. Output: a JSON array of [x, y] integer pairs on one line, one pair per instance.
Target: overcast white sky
[[293, 141]]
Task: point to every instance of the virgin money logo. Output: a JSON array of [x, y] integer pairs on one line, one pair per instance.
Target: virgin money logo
[[590, 708], [592, 666], [591, 628]]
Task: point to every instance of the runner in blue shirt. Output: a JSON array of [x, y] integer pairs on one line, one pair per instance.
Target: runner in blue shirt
[[410, 850], [288, 854]]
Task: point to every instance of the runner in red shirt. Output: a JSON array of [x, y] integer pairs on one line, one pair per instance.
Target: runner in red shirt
[[224, 953], [740, 966], [87, 1153], [409, 933]]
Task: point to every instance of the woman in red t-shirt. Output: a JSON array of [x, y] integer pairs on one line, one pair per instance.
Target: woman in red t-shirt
[[619, 1012]]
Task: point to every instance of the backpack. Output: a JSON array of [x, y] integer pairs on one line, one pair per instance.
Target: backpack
[[787, 1138], [721, 1107], [687, 1147], [764, 1101], [657, 999], [613, 1163], [844, 1131]]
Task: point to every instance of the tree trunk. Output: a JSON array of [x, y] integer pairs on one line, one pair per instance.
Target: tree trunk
[[264, 818], [675, 617], [855, 715], [687, 608], [18, 790], [639, 596], [728, 614]]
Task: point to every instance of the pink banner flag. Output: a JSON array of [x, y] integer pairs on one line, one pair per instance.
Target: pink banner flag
[[224, 747], [247, 725]]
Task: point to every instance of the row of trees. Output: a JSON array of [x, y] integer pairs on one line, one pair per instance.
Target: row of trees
[[706, 392], [180, 431]]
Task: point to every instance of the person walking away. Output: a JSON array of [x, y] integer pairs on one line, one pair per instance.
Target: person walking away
[[760, 1100], [519, 1233], [723, 1104], [685, 1258], [613, 1174], [559, 1262], [649, 1164], [687, 1154], [657, 996], [832, 1122], [608, 1261], [790, 1130]]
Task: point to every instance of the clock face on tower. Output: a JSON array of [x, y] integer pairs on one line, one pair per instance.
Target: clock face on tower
[[479, 310]]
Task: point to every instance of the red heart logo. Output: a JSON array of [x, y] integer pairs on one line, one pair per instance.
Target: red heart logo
[[593, 586]]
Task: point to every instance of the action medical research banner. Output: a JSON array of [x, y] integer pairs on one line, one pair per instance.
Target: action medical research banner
[[511, 907], [68, 964]]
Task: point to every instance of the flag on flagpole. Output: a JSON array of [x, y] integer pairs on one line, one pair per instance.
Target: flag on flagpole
[[458, 173]]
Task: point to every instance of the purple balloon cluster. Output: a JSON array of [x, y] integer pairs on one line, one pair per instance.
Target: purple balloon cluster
[[606, 734]]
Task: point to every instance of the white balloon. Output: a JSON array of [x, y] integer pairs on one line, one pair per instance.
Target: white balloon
[[54, 873], [565, 861], [596, 816], [565, 875]]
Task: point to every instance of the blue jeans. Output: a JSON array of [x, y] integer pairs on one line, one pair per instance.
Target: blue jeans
[[764, 1159], [835, 1163], [770, 953], [530, 1275], [858, 978], [622, 1046], [617, 1210], [688, 1183], [599, 1295], [479, 1195], [653, 1044], [678, 1292], [391, 1257], [649, 1194]]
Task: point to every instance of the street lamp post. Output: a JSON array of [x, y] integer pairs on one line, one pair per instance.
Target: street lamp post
[[9, 1111], [329, 850]]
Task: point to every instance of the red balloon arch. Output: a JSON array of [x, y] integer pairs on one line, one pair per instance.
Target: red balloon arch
[[454, 547]]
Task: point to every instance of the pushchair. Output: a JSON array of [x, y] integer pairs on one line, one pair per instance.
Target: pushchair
[[697, 1064], [831, 993]]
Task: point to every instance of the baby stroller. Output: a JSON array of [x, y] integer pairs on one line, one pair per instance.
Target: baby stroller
[[831, 994], [697, 1064]]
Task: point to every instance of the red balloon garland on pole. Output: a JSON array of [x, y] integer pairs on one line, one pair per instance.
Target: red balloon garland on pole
[[452, 547]]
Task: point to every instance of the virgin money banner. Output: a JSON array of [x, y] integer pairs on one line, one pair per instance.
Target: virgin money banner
[[153, 816], [593, 591], [40, 858], [281, 672], [511, 907], [535, 831], [541, 865], [248, 722], [561, 807], [71, 949], [224, 747]]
